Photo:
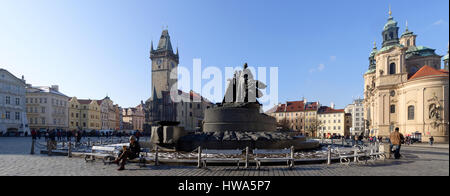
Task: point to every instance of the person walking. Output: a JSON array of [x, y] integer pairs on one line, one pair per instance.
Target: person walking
[[431, 140], [33, 134], [396, 139]]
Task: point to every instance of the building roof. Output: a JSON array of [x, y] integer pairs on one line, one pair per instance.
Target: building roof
[[420, 51], [84, 101], [164, 42], [311, 106], [329, 110], [427, 71], [44, 89], [281, 108]]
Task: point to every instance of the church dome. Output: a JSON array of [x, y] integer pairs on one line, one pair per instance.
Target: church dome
[[390, 23]]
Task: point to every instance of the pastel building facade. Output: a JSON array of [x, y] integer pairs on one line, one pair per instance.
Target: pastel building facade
[[12, 104], [47, 108]]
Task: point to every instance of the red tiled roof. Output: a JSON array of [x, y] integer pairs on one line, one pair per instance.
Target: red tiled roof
[[428, 71], [295, 106], [281, 108], [328, 110], [99, 102]]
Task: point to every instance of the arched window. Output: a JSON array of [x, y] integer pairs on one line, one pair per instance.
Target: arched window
[[408, 43], [411, 112], [392, 68], [391, 35]]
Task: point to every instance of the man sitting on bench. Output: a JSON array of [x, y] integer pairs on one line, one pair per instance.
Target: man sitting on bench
[[131, 153]]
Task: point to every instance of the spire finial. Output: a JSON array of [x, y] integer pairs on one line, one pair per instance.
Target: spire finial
[[374, 44], [406, 25], [390, 11]]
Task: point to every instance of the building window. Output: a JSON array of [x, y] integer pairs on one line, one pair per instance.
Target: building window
[[17, 101], [392, 68], [8, 114], [410, 112], [17, 115], [408, 43], [392, 109], [43, 121], [43, 110], [8, 100]]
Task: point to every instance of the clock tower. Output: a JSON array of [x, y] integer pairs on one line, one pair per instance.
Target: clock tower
[[164, 66]]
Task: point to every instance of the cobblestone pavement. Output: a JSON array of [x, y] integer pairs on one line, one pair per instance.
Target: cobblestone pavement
[[417, 160]]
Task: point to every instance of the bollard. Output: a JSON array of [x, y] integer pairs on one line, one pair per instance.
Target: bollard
[[199, 163], [355, 159], [49, 148], [246, 156], [329, 155], [69, 152], [156, 156], [32, 146], [292, 156]]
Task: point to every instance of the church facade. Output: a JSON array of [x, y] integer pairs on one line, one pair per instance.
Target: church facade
[[160, 106], [405, 87]]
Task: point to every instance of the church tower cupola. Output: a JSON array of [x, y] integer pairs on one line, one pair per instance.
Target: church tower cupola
[[390, 32], [408, 38]]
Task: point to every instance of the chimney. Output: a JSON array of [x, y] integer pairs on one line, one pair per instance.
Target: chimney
[[55, 87]]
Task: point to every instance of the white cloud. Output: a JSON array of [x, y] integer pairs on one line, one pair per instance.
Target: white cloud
[[439, 22], [332, 58], [321, 67]]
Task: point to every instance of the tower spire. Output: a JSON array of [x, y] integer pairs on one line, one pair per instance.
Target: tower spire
[[390, 11], [151, 49]]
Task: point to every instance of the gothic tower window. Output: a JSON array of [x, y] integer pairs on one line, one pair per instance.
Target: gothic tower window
[[392, 68], [410, 112], [408, 43]]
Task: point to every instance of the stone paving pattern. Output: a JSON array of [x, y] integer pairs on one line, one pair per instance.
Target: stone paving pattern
[[419, 159]]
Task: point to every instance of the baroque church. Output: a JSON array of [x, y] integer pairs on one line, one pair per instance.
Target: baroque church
[[160, 107], [405, 87]]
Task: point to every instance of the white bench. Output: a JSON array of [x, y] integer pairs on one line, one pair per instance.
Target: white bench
[[289, 156], [107, 153], [360, 154], [237, 152]]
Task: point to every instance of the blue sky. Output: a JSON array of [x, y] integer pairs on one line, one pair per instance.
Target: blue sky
[[92, 48]]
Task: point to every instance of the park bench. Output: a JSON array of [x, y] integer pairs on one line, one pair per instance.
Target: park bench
[[360, 154], [109, 153], [289, 156], [225, 159], [106, 153]]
